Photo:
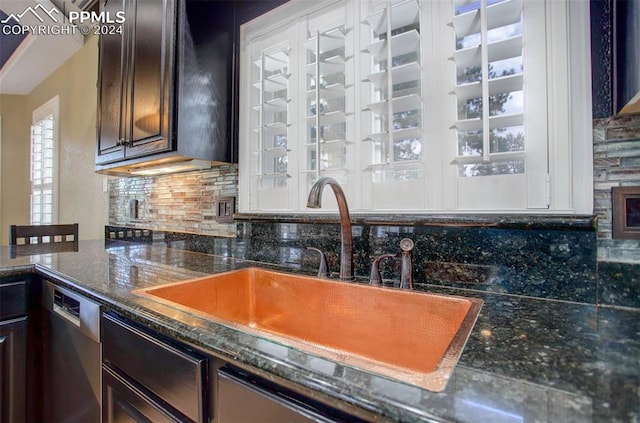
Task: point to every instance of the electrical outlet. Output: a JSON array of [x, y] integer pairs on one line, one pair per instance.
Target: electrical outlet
[[225, 207], [133, 208]]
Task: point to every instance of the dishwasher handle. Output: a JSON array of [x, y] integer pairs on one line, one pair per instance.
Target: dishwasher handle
[[77, 310], [66, 307]]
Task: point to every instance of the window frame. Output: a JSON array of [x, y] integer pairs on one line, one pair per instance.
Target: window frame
[[568, 182], [49, 108]]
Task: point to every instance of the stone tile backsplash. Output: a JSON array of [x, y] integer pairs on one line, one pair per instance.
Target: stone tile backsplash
[[182, 202], [616, 163]]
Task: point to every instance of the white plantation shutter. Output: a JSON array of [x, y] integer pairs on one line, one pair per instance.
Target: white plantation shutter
[[270, 121], [326, 130], [500, 163], [393, 114], [413, 105], [300, 79], [42, 164]]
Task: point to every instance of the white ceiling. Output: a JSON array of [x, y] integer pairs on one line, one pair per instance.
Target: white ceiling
[[38, 55]]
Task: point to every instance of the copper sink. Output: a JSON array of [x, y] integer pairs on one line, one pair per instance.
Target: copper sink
[[410, 336]]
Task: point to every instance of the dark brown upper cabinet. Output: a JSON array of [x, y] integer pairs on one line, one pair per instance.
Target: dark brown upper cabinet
[[136, 76], [166, 84]]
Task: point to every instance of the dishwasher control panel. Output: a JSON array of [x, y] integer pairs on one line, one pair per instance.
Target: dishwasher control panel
[[67, 304], [76, 309]]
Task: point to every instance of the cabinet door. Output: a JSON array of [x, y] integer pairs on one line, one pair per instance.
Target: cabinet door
[[109, 146], [13, 354], [148, 92], [13, 299], [136, 76]]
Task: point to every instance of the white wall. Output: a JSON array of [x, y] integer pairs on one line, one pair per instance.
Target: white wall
[[80, 195]]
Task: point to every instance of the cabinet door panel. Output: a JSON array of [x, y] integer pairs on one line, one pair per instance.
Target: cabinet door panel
[[150, 77], [13, 354], [13, 299], [110, 92]]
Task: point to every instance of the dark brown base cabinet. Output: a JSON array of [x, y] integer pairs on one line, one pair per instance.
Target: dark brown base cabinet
[[147, 377], [13, 353], [13, 350]]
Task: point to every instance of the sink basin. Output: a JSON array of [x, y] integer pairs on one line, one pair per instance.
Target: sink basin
[[410, 336]]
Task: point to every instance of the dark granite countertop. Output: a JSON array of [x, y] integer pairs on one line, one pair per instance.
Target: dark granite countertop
[[527, 359]]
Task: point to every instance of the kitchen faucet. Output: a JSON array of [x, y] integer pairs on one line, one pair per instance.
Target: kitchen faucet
[[406, 265], [346, 239]]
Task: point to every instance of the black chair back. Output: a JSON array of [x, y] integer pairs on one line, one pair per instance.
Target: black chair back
[[42, 234]]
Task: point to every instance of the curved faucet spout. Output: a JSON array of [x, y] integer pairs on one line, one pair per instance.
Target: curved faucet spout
[[346, 239]]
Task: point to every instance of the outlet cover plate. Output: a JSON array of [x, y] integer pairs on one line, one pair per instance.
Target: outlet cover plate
[[225, 208]]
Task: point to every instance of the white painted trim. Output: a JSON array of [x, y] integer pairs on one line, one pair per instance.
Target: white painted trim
[[558, 112], [581, 107], [569, 116]]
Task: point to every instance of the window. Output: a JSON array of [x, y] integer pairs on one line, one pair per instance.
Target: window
[[414, 105], [43, 163]]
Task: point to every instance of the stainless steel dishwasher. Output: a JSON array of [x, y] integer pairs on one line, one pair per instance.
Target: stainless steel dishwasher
[[71, 359]]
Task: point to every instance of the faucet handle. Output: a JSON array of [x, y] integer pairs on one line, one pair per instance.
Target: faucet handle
[[406, 244], [323, 269], [406, 266], [375, 278]]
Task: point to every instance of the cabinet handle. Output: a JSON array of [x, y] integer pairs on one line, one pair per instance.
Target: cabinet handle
[[121, 142]]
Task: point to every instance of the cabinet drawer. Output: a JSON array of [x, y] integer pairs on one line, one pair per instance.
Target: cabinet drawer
[[244, 397], [13, 299], [175, 375], [122, 401]]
